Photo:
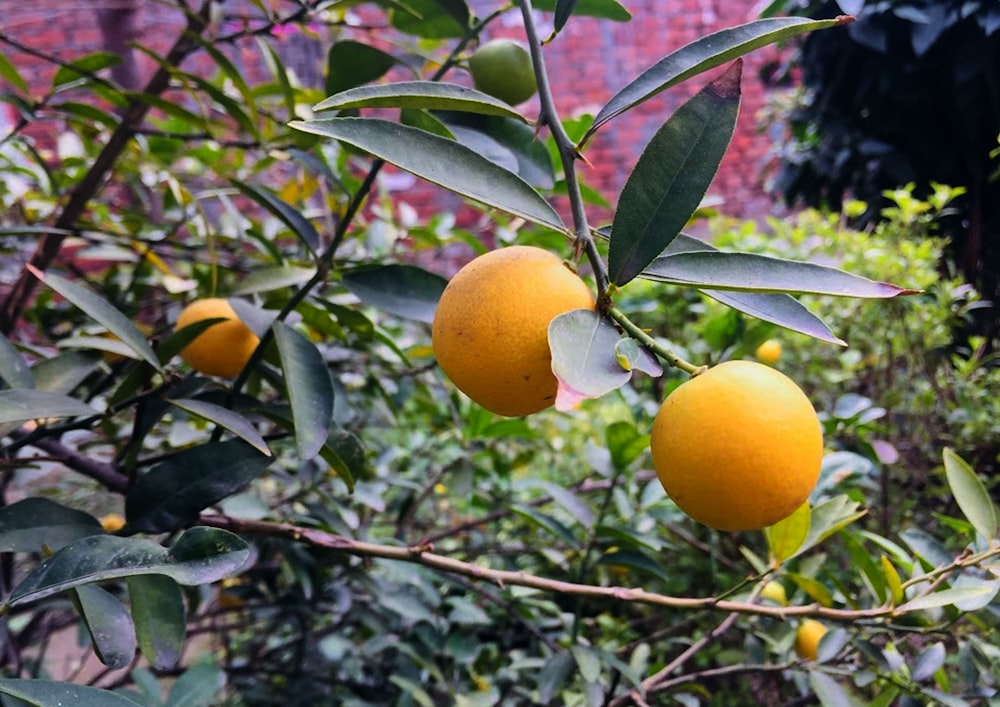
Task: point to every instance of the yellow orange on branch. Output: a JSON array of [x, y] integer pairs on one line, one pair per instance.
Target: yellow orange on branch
[[222, 349]]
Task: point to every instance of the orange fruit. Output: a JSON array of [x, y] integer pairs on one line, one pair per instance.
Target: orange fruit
[[737, 447], [112, 522], [502, 68], [491, 327], [769, 352], [222, 349], [807, 638]]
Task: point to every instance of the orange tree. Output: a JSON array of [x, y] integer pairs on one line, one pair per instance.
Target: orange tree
[[336, 524]]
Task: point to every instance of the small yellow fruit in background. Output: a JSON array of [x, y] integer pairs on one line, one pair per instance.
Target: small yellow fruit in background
[[224, 348], [769, 352], [112, 522], [737, 447], [502, 68], [491, 327], [807, 638], [775, 591]]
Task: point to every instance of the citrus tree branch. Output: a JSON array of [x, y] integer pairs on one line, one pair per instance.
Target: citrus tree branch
[[652, 344]]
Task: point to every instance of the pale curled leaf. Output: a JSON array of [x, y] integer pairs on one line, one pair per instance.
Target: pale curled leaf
[[583, 357], [23, 404], [225, 418]]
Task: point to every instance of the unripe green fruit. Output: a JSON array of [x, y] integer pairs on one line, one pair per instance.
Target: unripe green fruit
[[502, 68]]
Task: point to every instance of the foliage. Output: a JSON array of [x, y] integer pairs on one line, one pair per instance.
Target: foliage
[[902, 95], [336, 525]]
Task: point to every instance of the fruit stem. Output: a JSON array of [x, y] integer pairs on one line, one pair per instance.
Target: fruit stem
[[567, 152], [633, 330]]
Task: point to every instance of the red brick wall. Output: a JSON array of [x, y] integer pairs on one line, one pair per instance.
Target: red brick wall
[[588, 61]]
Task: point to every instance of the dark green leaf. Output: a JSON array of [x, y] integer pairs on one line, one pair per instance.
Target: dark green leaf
[[23, 404], [109, 625], [404, 290], [926, 547], [971, 495], [63, 372], [625, 443], [98, 308], [175, 491], [345, 454], [431, 19], [547, 523], [553, 675], [51, 693], [13, 368], [425, 121], [83, 68], [426, 95], [200, 556], [198, 686], [10, 74], [350, 64], [277, 277], [157, 605], [87, 113], [928, 662], [635, 560], [829, 692], [701, 55], [288, 215], [777, 308], [671, 176], [564, 8], [310, 390], [27, 525], [750, 272], [583, 357], [226, 418], [603, 9], [441, 161]]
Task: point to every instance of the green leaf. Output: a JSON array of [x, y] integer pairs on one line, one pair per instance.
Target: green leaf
[[14, 369], [32, 522], [345, 454], [636, 560], [310, 390], [404, 290], [554, 675], [198, 686], [200, 556], [63, 372], [442, 162], [970, 494], [892, 581], [350, 64], [701, 55], [925, 547], [51, 693], [976, 603], [288, 215], [785, 537], [431, 19], [413, 689], [672, 175], [750, 272], [603, 9], [564, 8], [946, 597], [274, 278], [23, 404], [829, 517], [83, 67], [175, 491], [625, 443], [109, 625], [547, 523], [157, 605], [780, 309], [426, 95], [817, 591], [10, 74], [102, 312], [583, 357], [633, 356], [588, 663], [225, 418], [930, 660], [828, 691], [87, 114], [579, 510]]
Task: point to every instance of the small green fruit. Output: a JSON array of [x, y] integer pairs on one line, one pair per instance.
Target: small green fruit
[[502, 68]]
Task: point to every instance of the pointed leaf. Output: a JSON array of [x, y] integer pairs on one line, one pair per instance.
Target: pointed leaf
[[828, 691], [785, 537], [10, 74], [564, 8], [431, 19], [946, 597], [511, 140], [109, 625], [51, 693], [200, 556], [426, 95], [930, 660], [82, 68], [970, 495], [636, 560], [750, 272], [829, 517], [286, 213], [404, 290], [310, 390], [23, 404], [175, 491], [926, 547], [225, 418], [553, 676], [157, 605], [976, 603], [892, 581], [345, 454], [98, 309], [701, 55], [28, 524], [274, 278], [780, 309], [198, 686], [672, 175], [14, 369], [350, 64], [441, 161], [603, 9], [583, 357]]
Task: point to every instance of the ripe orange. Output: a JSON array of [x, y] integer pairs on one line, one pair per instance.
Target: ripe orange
[[490, 331], [502, 68], [225, 347], [737, 447], [112, 522], [807, 638], [769, 352]]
